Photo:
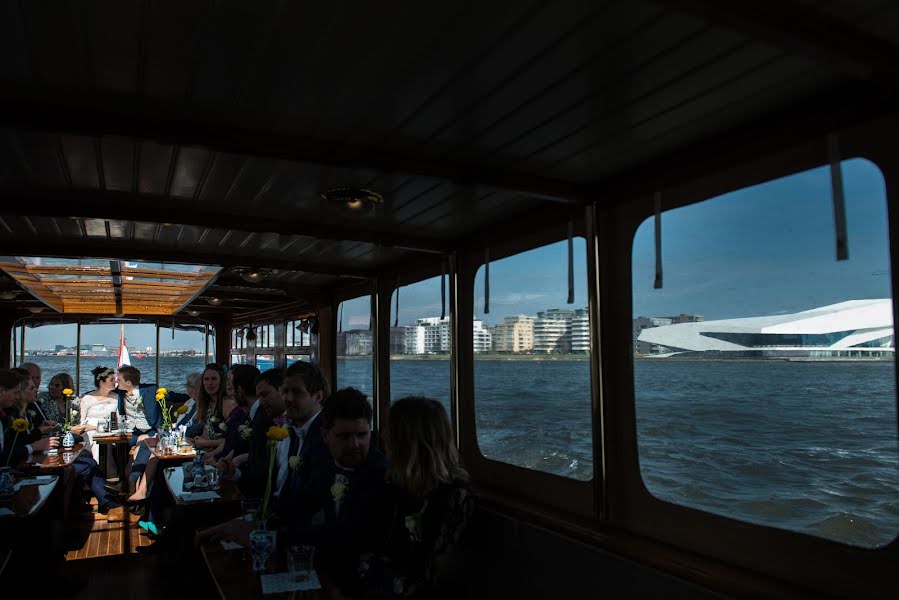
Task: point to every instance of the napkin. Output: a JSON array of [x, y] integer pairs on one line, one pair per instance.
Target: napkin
[[39, 480], [282, 582], [231, 545]]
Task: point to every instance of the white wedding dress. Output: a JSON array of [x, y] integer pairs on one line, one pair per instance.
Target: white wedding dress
[[94, 410]]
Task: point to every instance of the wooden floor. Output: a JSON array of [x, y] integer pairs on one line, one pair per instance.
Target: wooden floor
[[113, 534]]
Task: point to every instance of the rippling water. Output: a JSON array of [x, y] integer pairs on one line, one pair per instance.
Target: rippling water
[[810, 447]]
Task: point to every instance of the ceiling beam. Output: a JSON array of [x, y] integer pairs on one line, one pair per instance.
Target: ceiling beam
[[146, 208], [801, 30], [130, 117], [107, 249]]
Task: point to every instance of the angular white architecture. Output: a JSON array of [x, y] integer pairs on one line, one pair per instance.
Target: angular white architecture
[[851, 329]]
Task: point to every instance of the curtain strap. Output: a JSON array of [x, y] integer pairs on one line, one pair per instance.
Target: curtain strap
[[657, 284], [396, 321], [443, 289], [839, 200], [570, 262], [486, 281]]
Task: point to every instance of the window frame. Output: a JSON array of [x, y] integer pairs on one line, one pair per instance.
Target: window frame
[[837, 567]]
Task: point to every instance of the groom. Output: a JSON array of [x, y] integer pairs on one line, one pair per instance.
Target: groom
[[138, 405]]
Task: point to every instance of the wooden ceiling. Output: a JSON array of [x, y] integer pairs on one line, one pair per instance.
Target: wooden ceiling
[[206, 131]]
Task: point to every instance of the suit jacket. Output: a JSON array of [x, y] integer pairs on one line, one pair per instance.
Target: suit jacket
[[313, 451], [18, 451], [152, 410], [254, 473]]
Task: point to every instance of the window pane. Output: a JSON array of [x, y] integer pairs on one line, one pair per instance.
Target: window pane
[[52, 348], [354, 345], [179, 356], [764, 369], [531, 368], [420, 344]]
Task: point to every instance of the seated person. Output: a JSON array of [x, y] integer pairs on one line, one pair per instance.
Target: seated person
[[139, 406], [240, 391], [205, 432], [53, 403], [187, 417], [431, 504], [96, 407], [15, 448], [249, 470]]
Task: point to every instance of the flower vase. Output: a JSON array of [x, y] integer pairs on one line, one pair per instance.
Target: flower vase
[[68, 440], [262, 543], [7, 486]]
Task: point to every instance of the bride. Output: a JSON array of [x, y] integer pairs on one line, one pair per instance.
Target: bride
[[96, 406]]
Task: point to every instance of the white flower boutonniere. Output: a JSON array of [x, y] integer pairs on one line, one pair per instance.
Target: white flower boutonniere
[[223, 427], [414, 523], [295, 463], [338, 490], [245, 431], [74, 413], [32, 414]]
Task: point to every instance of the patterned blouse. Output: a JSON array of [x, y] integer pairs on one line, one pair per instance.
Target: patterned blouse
[[51, 410]]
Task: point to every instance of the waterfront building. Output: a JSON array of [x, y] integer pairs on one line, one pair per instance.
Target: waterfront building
[[552, 331], [580, 332], [851, 329], [514, 334], [414, 340], [641, 323], [482, 338]]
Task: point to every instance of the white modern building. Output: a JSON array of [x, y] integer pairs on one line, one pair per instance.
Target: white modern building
[[851, 329], [580, 332], [552, 331]]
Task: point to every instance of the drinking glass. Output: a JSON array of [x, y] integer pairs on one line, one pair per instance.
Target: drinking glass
[[299, 562], [215, 478]]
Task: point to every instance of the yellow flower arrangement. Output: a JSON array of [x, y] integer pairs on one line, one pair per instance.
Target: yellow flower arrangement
[[161, 398], [18, 425], [275, 435], [67, 392]]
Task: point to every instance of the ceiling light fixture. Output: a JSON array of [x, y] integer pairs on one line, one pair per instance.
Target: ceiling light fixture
[[353, 201], [36, 309], [251, 334], [9, 295], [253, 276], [193, 313], [215, 301]]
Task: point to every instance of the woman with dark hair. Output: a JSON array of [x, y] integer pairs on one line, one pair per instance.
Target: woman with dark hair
[[96, 406], [206, 432], [53, 403], [432, 504], [240, 387]]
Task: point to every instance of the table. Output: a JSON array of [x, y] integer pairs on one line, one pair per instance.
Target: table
[[29, 498], [61, 460], [232, 572], [121, 454], [174, 479]]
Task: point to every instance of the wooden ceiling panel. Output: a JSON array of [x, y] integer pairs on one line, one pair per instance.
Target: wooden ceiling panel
[[145, 232], [97, 228], [118, 163], [155, 164], [175, 47], [80, 157], [55, 47], [190, 166], [116, 36], [40, 156]]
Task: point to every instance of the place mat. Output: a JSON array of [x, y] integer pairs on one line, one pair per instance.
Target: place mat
[[5, 511], [39, 480], [282, 582], [197, 496]]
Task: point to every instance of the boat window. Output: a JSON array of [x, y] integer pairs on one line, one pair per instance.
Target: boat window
[[239, 346], [354, 345], [420, 343], [101, 346], [764, 369], [52, 348], [531, 363], [299, 341], [180, 355]]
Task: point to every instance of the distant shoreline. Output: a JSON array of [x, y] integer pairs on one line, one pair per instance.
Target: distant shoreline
[[584, 357]]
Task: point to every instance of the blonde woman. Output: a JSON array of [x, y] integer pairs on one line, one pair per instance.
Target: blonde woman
[[432, 505]]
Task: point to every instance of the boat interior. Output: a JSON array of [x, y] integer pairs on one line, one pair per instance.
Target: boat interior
[[162, 153]]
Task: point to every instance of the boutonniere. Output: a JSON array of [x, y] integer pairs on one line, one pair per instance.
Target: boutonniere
[[338, 489], [32, 414], [74, 412], [295, 463], [223, 427], [414, 523], [214, 419], [245, 431]]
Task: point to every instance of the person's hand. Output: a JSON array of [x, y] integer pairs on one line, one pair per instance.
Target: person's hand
[[210, 459], [45, 444], [78, 429], [239, 460]]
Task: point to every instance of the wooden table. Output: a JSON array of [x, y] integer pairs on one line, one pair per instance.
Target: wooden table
[[174, 479], [232, 572], [29, 498], [120, 440], [61, 460]]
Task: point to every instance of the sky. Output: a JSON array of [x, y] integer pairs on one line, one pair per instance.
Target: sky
[[764, 250]]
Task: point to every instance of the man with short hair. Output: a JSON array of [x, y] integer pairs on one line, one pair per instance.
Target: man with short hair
[[34, 371], [136, 404]]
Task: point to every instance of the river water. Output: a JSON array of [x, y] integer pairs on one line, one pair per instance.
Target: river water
[[806, 446]]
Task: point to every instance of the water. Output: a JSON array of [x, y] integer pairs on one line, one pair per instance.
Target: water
[[175, 369], [810, 447]]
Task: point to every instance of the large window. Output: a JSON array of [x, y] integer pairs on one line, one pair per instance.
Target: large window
[[531, 368], [764, 368], [52, 348], [354, 345], [420, 343], [181, 351]]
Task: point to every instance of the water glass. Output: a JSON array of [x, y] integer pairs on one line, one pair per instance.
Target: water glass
[[299, 562], [215, 478]]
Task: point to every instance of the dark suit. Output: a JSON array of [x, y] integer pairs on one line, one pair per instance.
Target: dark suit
[[313, 446], [19, 451], [152, 410], [254, 472]]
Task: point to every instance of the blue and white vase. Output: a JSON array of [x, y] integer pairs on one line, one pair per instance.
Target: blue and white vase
[[7, 485], [68, 440], [262, 544]]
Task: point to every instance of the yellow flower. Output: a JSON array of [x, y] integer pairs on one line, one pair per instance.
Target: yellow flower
[[160, 396], [181, 409], [67, 392], [162, 391], [276, 434], [20, 425]]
